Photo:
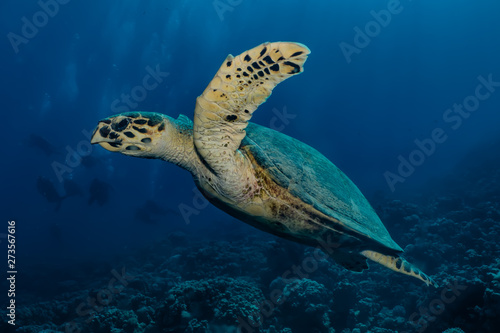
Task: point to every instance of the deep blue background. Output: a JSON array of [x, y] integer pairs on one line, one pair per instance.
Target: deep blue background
[[362, 115]]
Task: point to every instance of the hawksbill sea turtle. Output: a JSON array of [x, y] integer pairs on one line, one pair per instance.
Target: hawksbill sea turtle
[[260, 176]]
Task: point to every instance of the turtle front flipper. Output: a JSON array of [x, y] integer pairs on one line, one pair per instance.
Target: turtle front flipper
[[239, 87], [399, 264]]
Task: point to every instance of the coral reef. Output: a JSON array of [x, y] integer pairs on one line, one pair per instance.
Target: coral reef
[[219, 301], [241, 282]]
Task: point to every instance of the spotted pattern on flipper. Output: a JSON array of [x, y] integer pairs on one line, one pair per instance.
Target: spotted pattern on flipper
[[227, 104], [262, 68], [399, 264], [239, 87]]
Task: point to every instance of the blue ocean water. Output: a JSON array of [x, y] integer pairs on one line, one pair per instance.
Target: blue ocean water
[[403, 96]]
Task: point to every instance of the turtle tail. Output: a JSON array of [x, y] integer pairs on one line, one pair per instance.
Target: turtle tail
[[399, 264]]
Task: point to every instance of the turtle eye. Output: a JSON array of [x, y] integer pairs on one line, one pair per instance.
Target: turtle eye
[[121, 125]]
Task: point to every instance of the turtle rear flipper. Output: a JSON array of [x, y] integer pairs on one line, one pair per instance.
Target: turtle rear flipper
[[352, 261], [399, 264]]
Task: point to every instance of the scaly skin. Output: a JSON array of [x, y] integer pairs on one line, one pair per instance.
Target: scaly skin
[[228, 174], [150, 135], [222, 112], [267, 206]]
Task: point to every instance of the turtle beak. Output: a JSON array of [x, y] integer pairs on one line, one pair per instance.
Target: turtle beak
[[103, 136], [97, 136]]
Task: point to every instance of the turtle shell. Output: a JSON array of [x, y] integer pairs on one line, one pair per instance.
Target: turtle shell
[[311, 177]]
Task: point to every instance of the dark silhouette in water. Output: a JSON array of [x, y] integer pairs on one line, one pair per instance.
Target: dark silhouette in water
[[144, 213], [38, 142], [99, 192], [47, 189]]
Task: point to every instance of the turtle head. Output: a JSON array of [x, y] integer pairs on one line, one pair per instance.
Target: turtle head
[[140, 134]]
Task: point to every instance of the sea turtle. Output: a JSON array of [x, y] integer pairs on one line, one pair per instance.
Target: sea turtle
[[260, 176]]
